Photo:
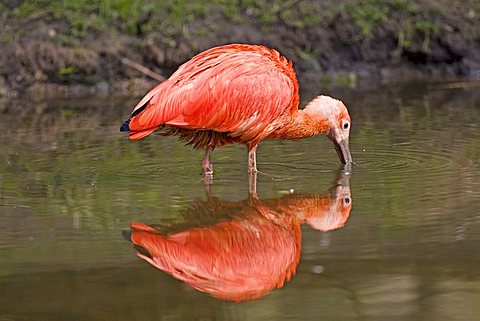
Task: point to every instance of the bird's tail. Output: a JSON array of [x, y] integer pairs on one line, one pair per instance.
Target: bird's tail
[[125, 126], [139, 134], [134, 135], [136, 235]]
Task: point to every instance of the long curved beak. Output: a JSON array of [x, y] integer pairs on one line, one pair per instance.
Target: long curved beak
[[342, 147], [343, 151]]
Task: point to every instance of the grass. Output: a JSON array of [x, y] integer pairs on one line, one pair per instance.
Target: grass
[[168, 16], [368, 14], [414, 20], [89, 15]]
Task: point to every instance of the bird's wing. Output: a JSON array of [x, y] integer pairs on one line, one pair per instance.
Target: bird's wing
[[223, 89]]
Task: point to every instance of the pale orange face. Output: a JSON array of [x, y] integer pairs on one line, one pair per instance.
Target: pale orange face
[[332, 116], [342, 123]]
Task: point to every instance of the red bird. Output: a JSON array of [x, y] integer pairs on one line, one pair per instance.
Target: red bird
[[237, 94], [241, 250]]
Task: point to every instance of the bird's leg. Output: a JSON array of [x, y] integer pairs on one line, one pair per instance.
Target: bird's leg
[[252, 171], [252, 185], [208, 188], [252, 159], [207, 167]]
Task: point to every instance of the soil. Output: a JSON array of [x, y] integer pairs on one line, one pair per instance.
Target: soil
[[41, 58]]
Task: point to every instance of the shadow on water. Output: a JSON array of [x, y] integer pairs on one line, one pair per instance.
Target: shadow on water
[[242, 250]]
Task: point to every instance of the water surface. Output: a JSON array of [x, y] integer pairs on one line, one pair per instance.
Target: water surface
[[70, 183]]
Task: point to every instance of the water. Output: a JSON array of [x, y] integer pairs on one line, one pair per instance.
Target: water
[[403, 247]]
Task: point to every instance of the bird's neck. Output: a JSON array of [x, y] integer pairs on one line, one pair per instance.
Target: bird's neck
[[301, 125]]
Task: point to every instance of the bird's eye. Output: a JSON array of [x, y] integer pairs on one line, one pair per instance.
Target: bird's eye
[[346, 201], [345, 125]]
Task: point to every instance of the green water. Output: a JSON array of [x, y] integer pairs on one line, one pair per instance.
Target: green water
[[70, 183]]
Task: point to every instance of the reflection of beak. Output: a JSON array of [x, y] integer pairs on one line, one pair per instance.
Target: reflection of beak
[[342, 148], [342, 181]]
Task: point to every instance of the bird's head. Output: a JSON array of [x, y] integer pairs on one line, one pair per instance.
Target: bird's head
[[331, 117], [332, 210]]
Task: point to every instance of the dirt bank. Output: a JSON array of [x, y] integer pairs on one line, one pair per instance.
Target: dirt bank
[[77, 48]]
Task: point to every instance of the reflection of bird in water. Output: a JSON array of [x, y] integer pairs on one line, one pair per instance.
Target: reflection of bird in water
[[248, 248], [237, 94]]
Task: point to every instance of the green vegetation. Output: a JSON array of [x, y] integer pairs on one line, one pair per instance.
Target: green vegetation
[[65, 71], [89, 15], [70, 41], [368, 14], [415, 20]]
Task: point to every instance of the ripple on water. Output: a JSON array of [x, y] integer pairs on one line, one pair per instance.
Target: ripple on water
[[422, 167], [401, 161]]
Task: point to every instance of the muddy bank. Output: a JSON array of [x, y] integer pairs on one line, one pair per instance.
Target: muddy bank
[[79, 48]]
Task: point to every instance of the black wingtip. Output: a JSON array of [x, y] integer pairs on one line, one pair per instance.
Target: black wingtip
[[125, 126], [127, 235]]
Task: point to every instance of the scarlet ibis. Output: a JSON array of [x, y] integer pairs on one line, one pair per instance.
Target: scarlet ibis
[[237, 94], [240, 250]]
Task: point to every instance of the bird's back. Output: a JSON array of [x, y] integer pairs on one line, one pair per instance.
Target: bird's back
[[245, 91]]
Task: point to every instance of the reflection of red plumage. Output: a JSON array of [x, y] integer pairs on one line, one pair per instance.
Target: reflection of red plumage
[[237, 94], [234, 260], [254, 248]]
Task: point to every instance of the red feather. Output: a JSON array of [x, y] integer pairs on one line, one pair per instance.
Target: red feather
[[238, 94], [244, 90]]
